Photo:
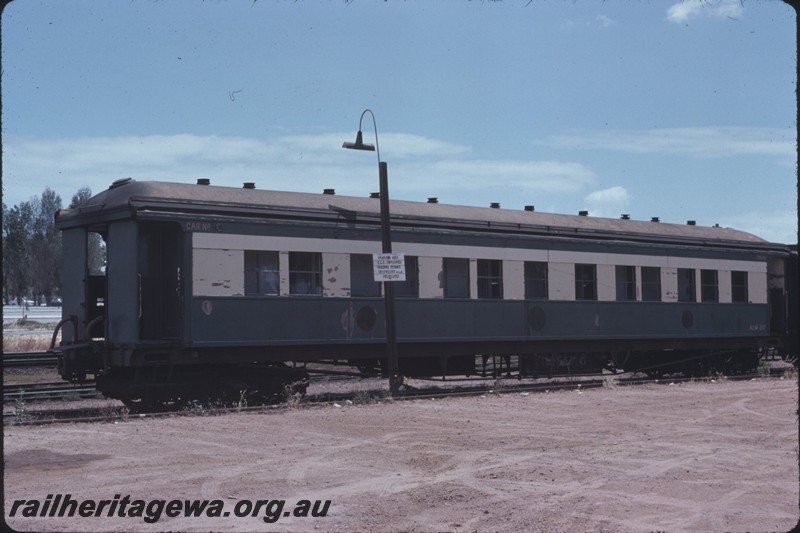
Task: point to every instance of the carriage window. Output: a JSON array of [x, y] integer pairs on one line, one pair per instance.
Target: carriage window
[[261, 273], [490, 279], [96, 254], [536, 280], [456, 277], [585, 282], [305, 273], [626, 283], [651, 284], [709, 286], [739, 286], [410, 287], [362, 278], [686, 285]]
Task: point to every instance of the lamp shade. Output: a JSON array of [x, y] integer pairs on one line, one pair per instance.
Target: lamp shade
[[359, 144]]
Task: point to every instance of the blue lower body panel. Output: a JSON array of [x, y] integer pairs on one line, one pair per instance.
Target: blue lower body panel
[[253, 321]]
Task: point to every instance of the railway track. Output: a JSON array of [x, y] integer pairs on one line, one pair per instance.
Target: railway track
[[106, 413], [59, 390], [119, 413], [29, 359]]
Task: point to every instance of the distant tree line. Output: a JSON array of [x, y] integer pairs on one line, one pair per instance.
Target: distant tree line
[[32, 248]]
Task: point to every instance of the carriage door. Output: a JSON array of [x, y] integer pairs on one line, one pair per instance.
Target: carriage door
[[776, 283], [160, 281]]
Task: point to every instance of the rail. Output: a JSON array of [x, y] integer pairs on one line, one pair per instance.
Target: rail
[[106, 413], [29, 359], [47, 391]]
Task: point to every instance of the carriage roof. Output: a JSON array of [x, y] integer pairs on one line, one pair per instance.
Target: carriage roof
[[126, 197]]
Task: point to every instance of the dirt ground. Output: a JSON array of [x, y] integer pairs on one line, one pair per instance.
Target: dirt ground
[[710, 456]]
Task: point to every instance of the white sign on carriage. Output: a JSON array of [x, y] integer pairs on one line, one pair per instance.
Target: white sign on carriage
[[389, 267]]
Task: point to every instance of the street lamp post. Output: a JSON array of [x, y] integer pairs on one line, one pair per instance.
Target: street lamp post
[[386, 239]]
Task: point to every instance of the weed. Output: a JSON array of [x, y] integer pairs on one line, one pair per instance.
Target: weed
[[21, 413], [110, 412], [197, 408], [36, 338], [499, 386], [242, 400], [610, 384], [24, 323], [25, 343], [71, 397], [366, 397], [294, 394]]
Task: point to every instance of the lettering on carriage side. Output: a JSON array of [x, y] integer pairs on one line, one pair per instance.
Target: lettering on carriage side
[[205, 227]]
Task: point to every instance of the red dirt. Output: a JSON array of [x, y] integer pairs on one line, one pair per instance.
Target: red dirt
[[710, 456]]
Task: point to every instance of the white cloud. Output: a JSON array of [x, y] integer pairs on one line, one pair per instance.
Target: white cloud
[[419, 167], [392, 145], [699, 142], [534, 176], [600, 20], [605, 21], [728, 9], [774, 226], [609, 202], [401, 145], [681, 12]]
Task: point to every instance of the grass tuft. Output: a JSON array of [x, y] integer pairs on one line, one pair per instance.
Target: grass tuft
[[368, 397], [27, 336]]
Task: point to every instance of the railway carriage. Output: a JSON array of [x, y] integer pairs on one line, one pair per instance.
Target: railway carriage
[[210, 291]]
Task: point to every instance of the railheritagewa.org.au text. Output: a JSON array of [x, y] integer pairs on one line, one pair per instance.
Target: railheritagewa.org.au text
[[150, 511]]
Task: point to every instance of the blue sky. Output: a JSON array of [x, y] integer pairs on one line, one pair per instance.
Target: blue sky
[[681, 110]]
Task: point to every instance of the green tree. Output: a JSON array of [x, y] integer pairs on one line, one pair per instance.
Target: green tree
[[81, 197], [17, 224], [32, 248], [44, 246]]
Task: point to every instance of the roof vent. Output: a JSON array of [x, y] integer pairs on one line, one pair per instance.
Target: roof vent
[[691, 223], [203, 181], [495, 205], [583, 213], [328, 191], [374, 195], [120, 182], [433, 200], [249, 185], [655, 219], [530, 208], [625, 216]]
